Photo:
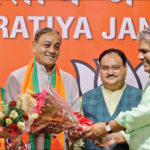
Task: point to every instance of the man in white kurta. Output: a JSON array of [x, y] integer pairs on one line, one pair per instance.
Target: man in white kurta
[[46, 50]]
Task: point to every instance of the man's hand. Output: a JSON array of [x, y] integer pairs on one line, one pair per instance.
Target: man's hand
[[109, 140], [99, 143], [75, 135], [114, 138], [96, 131], [5, 133]]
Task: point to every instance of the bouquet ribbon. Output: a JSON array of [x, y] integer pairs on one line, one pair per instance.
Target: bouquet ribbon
[[83, 122]]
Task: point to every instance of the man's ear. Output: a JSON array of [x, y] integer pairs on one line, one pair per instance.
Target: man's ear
[[34, 46], [126, 68]]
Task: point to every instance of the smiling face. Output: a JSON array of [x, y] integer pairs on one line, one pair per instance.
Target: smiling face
[[112, 71], [144, 54], [46, 49]]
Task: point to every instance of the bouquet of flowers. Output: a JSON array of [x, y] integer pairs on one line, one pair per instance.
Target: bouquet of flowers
[[35, 112], [19, 115], [53, 111]]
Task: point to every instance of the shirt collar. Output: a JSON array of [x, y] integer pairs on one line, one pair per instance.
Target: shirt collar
[[116, 91], [42, 67]]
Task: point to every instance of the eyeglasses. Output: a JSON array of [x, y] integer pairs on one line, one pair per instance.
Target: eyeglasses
[[113, 67]]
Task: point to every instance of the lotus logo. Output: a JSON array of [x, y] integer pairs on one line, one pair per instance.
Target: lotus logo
[[88, 78], [75, 2]]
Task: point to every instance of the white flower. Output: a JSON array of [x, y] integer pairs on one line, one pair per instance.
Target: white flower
[[2, 115], [8, 121], [13, 114], [20, 102], [21, 125], [2, 106], [33, 116], [26, 102]]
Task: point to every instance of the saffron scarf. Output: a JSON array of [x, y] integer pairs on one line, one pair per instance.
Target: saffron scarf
[[31, 82], [2, 140]]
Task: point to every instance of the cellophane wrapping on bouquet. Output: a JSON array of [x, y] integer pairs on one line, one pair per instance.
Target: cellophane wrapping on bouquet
[[53, 111]]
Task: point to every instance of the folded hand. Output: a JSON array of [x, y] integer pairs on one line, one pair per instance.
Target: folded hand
[[113, 139], [96, 131], [75, 135]]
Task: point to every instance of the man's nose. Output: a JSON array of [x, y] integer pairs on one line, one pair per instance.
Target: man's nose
[[110, 71], [51, 49]]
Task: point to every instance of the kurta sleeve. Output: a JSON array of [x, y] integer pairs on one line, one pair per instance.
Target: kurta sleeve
[[12, 89], [126, 136], [138, 116], [75, 103]]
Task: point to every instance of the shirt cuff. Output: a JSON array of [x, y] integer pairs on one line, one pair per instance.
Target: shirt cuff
[[126, 136], [119, 119]]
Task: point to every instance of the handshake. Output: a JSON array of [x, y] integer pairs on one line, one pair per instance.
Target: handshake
[[100, 134]]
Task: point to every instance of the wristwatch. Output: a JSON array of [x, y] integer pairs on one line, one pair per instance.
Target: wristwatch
[[108, 129]]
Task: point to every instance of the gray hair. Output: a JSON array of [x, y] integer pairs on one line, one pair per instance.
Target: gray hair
[[144, 35], [41, 31]]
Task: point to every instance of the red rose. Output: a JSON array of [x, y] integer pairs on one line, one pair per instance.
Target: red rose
[[13, 103], [13, 129], [26, 117], [6, 118]]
